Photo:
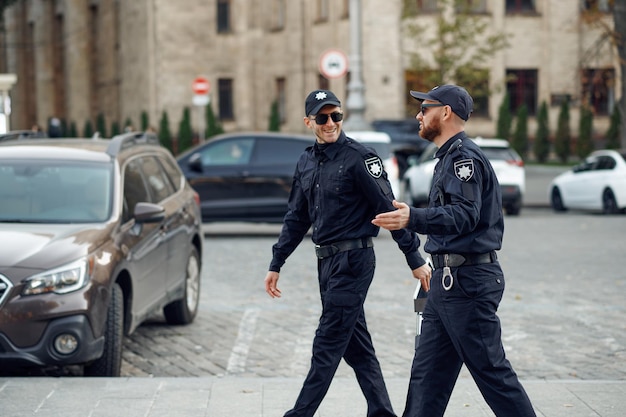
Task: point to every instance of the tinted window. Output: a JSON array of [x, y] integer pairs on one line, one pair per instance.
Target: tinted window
[[272, 151], [227, 152], [134, 189], [605, 162], [172, 170], [158, 182]]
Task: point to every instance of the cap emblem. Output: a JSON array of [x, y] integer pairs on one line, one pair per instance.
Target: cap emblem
[[321, 95]]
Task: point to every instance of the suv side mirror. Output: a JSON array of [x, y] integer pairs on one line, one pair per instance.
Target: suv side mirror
[[148, 213], [195, 162]]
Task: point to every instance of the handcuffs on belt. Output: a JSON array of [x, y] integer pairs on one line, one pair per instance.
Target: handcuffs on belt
[[446, 274]]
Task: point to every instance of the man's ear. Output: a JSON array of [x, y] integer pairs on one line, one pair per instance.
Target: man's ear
[[307, 122]]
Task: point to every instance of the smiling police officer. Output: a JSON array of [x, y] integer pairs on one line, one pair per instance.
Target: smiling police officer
[[338, 187], [464, 224]]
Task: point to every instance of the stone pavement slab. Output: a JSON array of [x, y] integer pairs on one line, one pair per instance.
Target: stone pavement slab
[[234, 396]]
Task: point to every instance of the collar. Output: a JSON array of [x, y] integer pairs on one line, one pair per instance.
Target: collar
[[331, 150], [445, 148]]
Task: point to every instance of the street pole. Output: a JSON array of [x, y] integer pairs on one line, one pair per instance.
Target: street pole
[[355, 102]]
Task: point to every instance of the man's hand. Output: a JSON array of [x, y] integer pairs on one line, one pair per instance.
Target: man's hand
[[394, 220], [271, 279], [424, 273]]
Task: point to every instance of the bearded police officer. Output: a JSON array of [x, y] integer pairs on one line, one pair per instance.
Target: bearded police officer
[[338, 187], [464, 224]]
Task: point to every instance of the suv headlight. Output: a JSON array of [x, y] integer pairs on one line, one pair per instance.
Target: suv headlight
[[60, 280]]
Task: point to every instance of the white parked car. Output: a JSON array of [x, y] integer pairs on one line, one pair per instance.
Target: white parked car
[[381, 143], [597, 184], [506, 162]]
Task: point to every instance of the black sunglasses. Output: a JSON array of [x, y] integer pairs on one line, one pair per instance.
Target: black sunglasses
[[425, 106], [322, 119]]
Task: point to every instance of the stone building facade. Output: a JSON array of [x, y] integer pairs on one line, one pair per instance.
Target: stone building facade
[[77, 59]]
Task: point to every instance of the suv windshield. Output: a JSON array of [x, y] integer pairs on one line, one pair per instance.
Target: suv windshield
[[54, 192]]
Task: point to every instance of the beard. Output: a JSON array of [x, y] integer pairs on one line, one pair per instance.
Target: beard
[[432, 131]]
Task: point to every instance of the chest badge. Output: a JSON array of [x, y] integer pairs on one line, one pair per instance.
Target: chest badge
[[374, 166], [464, 170]]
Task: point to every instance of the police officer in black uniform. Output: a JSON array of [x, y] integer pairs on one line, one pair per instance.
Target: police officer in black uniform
[[464, 224], [338, 187]]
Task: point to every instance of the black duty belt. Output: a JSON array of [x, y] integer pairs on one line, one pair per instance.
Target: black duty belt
[[326, 251], [454, 260]]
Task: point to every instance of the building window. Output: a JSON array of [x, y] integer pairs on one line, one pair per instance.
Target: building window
[[471, 6], [223, 16], [322, 10], [597, 86], [428, 6], [281, 98], [520, 6], [604, 6], [522, 88], [225, 92], [346, 9], [279, 15], [476, 81]]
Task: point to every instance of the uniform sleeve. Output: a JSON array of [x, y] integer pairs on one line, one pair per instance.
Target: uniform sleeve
[[295, 225], [373, 181], [457, 200]]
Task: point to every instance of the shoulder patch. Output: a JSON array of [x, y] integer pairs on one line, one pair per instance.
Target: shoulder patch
[[374, 166], [464, 169]]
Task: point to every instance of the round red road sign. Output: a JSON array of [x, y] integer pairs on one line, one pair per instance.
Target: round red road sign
[[201, 86]]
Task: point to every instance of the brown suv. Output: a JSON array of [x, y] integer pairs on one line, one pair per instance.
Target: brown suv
[[95, 237]]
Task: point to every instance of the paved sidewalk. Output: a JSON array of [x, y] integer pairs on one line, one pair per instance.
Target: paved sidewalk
[[234, 396]]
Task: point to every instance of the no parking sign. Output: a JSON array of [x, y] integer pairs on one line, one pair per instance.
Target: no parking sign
[[333, 64]]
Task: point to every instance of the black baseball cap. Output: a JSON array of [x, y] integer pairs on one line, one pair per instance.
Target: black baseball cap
[[451, 95], [318, 99]]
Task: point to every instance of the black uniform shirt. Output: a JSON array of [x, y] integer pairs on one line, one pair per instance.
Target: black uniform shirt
[[338, 189], [464, 213]]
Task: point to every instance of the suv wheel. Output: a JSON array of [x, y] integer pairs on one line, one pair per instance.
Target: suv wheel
[[110, 363], [609, 204], [183, 311]]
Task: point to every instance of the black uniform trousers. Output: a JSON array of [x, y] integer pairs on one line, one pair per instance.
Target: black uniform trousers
[[461, 326], [344, 280]]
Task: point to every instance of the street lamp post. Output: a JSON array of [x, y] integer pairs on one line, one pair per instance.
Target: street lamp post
[[355, 102]]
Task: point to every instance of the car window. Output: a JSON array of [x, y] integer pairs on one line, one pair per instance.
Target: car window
[[55, 192], [382, 149], [428, 154], [158, 182], [135, 190], [273, 151], [500, 154], [228, 152], [173, 171], [605, 163]]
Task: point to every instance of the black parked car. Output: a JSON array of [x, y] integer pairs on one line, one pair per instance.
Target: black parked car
[[405, 139], [244, 176]]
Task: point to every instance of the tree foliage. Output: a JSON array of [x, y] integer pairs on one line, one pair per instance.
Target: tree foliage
[[584, 144], [520, 136], [274, 122], [505, 119], [213, 126], [101, 127], [185, 132], [165, 134], [612, 134], [541, 146], [563, 138], [455, 50], [88, 129]]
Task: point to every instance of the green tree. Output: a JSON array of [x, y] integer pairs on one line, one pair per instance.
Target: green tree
[[454, 49], [165, 134], [185, 133], [101, 125], [145, 121], [88, 129], [520, 136], [563, 138], [213, 126], [612, 134], [128, 124], [73, 133], [584, 144], [541, 146], [115, 129], [274, 122], [505, 119]]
